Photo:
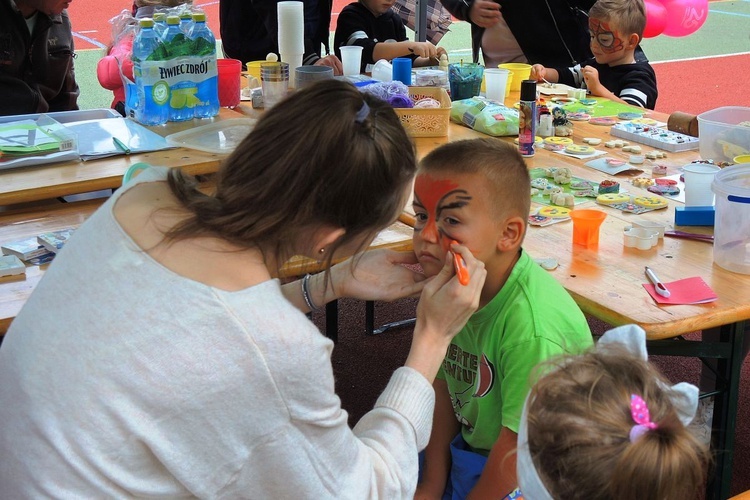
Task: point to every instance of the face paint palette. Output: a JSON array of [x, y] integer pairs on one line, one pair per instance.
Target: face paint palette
[[655, 137]]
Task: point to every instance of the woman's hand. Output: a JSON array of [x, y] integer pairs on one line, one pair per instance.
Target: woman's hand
[[484, 13], [377, 275]]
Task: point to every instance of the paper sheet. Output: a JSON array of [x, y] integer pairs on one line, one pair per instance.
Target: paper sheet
[[95, 137]]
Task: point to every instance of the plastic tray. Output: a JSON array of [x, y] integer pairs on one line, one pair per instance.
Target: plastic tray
[[67, 116], [220, 137]]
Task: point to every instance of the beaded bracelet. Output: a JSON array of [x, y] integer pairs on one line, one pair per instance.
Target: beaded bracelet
[[306, 294]]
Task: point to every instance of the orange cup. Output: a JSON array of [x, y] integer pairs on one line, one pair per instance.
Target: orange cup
[[586, 224]]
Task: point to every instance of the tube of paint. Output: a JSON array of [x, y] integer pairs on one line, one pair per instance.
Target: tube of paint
[[527, 118]]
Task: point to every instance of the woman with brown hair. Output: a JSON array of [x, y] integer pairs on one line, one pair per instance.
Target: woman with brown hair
[[160, 356]]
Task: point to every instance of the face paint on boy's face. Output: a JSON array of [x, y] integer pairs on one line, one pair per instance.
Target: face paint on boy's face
[[431, 197], [608, 40]]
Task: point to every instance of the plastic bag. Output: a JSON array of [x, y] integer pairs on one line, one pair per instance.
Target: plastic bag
[[486, 116]]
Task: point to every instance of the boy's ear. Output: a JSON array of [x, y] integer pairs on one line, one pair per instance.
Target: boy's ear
[[633, 40], [512, 233]]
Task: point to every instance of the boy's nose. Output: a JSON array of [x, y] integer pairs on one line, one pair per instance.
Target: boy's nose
[[430, 233]]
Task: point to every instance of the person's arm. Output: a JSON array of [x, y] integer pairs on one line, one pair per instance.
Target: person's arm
[[374, 275], [437, 455], [423, 50], [67, 98], [499, 475], [540, 74]]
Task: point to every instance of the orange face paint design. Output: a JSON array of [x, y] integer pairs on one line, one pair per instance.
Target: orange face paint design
[[609, 40], [430, 194]]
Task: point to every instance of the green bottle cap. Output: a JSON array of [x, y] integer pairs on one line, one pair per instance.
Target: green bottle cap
[[160, 17], [199, 17], [172, 20], [186, 15], [146, 22]]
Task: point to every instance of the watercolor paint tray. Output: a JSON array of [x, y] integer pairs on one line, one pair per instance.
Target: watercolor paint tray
[[656, 137]]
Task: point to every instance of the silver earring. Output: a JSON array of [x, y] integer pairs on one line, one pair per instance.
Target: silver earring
[[322, 251]]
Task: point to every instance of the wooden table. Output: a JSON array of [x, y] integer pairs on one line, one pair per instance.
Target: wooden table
[[606, 283], [42, 182]]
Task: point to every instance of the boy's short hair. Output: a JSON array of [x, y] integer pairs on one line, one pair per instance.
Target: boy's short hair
[[628, 15], [500, 163]]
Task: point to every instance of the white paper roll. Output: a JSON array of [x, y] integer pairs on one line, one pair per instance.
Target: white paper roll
[[291, 28]]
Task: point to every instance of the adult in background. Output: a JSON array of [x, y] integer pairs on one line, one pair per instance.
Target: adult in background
[[159, 356], [36, 57], [250, 30], [547, 32]]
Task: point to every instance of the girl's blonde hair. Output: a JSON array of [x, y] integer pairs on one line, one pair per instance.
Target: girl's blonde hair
[[579, 422]]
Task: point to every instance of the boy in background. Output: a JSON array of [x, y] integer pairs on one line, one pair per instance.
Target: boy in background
[[477, 193], [616, 28], [378, 29]]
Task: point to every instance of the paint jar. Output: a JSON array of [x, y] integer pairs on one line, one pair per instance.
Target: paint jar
[[732, 221]]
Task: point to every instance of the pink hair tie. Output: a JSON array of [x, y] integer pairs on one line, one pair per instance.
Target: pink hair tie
[[641, 417]]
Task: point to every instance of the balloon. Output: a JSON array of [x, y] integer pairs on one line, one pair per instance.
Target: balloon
[[684, 16], [656, 18]]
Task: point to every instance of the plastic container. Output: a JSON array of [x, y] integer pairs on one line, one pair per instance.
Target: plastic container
[[151, 107], [732, 223], [521, 72], [220, 137], [586, 223], [426, 122], [208, 89], [722, 134]]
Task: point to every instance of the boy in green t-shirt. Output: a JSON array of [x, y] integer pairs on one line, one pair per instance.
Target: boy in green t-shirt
[[477, 193]]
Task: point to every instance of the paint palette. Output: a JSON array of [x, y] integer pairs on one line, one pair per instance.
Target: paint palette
[[655, 137]]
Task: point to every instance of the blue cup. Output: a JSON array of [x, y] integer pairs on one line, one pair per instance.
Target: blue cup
[[402, 70]]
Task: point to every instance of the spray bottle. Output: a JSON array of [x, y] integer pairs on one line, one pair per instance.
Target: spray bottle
[[527, 118]]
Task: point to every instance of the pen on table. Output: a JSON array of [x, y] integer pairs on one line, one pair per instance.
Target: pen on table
[[658, 285], [121, 145], [461, 270]]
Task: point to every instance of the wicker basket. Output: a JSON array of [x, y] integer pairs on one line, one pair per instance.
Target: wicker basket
[[429, 122]]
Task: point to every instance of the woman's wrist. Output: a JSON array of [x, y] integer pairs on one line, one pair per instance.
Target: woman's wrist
[[427, 353]]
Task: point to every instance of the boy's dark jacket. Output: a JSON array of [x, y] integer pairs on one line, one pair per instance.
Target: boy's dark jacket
[[36, 72]]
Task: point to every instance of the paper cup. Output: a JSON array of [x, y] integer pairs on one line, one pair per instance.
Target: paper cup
[[274, 78], [305, 75], [351, 59], [496, 82], [402, 70]]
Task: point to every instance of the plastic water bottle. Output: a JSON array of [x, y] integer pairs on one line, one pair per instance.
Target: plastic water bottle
[[178, 45], [204, 46], [153, 94], [186, 22], [160, 23]]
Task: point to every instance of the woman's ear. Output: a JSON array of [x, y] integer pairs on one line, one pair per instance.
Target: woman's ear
[[511, 234], [323, 238]]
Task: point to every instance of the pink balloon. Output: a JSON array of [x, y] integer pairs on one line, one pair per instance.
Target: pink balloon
[[656, 18], [684, 16]]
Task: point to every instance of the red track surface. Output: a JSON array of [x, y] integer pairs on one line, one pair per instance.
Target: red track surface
[[91, 26]]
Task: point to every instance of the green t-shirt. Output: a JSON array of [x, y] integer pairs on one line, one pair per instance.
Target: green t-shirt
[[488, 364]]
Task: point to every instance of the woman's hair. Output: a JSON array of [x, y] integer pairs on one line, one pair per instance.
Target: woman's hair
[[499, 163], [328, 155], [629, 16], [579, 423]]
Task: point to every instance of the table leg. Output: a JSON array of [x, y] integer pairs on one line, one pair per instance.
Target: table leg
[[725, 411], [332, 320]]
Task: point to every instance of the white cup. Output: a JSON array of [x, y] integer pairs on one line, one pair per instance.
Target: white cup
[[495, 81], [382, 71], [698, 178], [351, 58]]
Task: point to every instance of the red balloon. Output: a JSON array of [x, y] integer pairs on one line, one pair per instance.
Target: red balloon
[[656, 18], [684, 17]]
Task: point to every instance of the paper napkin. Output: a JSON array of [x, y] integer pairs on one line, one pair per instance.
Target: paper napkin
[[687, 291]]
